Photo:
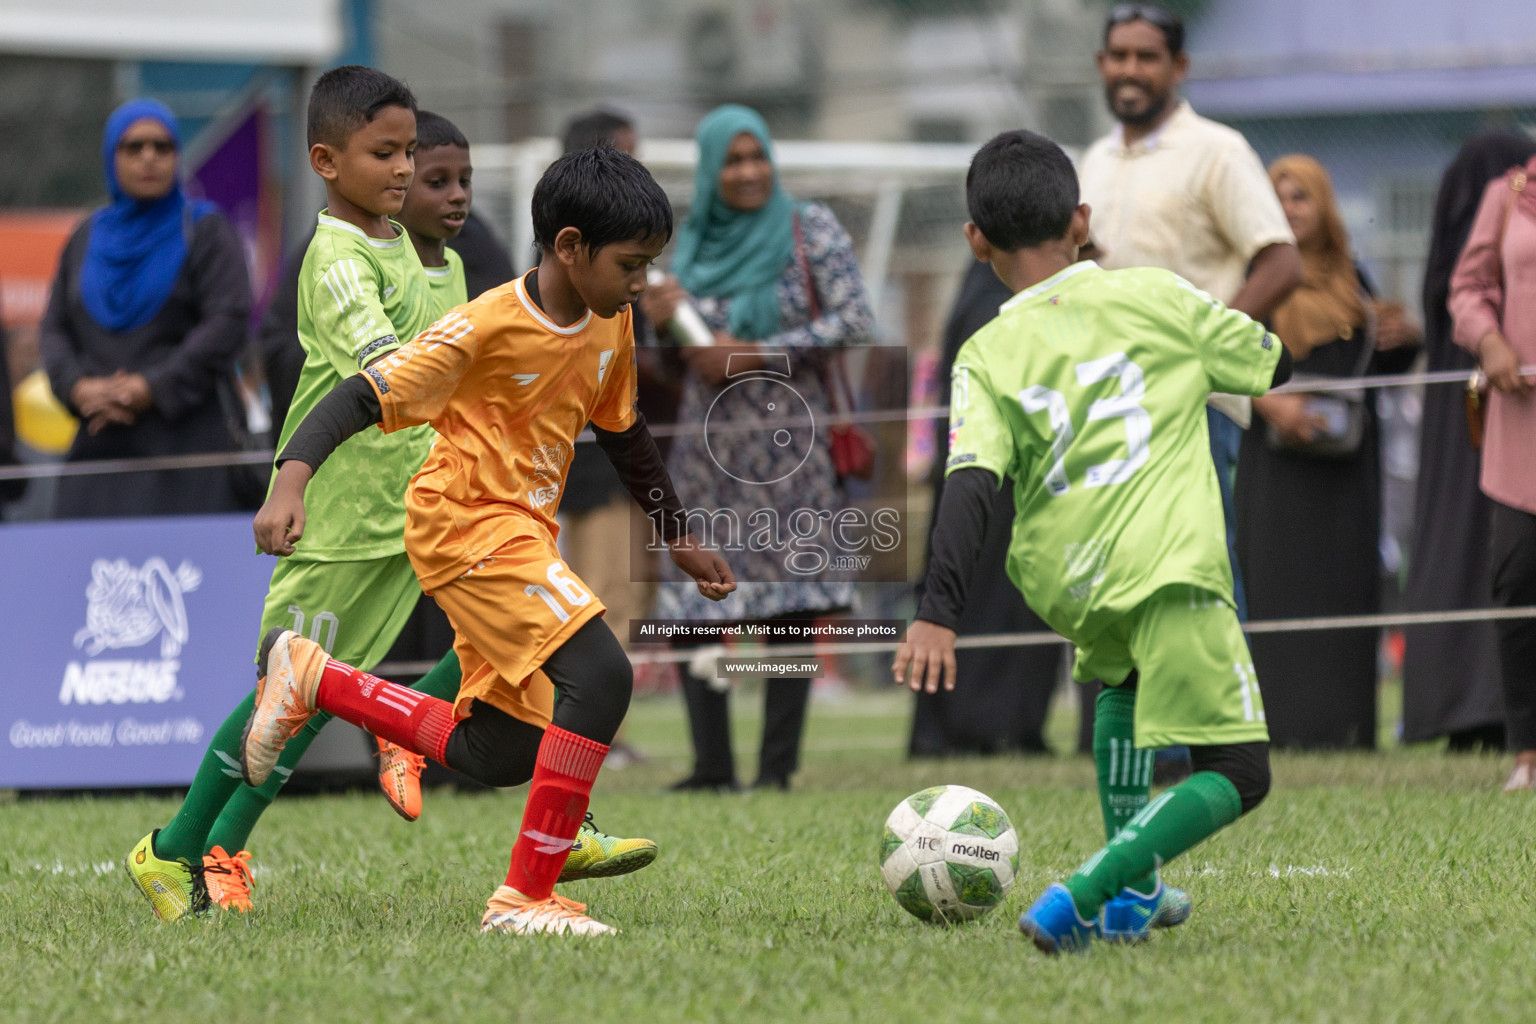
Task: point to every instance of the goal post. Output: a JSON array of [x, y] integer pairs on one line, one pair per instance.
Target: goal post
[[902, 203]]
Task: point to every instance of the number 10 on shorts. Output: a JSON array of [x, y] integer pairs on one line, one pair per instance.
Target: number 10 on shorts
[[568, 589]]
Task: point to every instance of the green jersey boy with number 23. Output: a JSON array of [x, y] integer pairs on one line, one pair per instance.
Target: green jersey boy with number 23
[[1089, 390]]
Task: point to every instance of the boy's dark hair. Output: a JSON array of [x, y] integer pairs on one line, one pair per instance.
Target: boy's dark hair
[[1021, 190], [349, 97], [594, 128], [1160, 18], [607, 195], [433, 130]]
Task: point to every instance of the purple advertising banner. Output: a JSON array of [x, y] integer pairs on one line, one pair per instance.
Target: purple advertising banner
[[128, 642], [235, 172]]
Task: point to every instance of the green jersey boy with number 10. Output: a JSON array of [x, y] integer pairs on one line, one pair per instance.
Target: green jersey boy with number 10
[[1089, 390]]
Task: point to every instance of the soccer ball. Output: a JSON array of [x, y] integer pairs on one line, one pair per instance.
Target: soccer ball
[[949, 854]]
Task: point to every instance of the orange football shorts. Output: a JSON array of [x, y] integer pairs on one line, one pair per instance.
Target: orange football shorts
[[509, 612]]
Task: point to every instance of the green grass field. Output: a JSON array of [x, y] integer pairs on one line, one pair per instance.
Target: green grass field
[[1394, 887]]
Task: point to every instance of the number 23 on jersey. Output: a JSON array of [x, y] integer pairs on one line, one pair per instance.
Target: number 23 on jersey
[[1126, 407]]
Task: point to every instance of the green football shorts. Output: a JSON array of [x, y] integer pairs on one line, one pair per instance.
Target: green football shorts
[[1196, 685], [355, 610]]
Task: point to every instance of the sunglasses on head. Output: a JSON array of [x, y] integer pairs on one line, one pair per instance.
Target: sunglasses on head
[[1150, 13], [134, 147]]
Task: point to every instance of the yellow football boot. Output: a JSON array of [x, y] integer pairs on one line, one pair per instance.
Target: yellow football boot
[[174, 888], [595, 855]]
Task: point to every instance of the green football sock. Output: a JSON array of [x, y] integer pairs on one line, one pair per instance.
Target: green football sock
[[245, 805], [1125, 773], [1179, 818], [443, 680], [217, 777]]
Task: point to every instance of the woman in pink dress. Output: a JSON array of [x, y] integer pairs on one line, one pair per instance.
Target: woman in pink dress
[[1493, 304]]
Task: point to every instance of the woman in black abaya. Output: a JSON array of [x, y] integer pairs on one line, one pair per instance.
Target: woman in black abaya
[[1309, 519], [1451, 671], [1001, 694]]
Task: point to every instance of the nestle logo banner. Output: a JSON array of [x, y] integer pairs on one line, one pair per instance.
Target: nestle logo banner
[[129, 642]]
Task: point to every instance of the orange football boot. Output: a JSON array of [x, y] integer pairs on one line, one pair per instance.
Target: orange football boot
[[228, 879], [400, 778], [510, 911]]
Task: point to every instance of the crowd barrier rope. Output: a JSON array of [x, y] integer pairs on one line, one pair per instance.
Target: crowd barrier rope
[[925, 413], [1046, 638], [932, 412]]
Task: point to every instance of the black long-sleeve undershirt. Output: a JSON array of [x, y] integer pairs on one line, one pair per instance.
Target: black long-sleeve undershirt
[[350, 408], [638, 462], [960, 524], [1283, 368], [353, 406]]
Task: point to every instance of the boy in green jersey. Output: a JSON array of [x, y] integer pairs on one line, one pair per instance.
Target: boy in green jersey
[[437, 205], [363, 291], [435, 208], [1089, 390]]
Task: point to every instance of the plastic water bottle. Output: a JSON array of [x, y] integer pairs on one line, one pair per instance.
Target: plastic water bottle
[[686, 325]]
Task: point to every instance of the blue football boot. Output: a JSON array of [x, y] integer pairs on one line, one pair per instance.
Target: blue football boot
[[1130, 916], [1054, 925]]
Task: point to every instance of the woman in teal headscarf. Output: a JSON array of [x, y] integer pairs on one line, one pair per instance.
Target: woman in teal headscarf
[[765, 272], [739, 235], [735, 255]]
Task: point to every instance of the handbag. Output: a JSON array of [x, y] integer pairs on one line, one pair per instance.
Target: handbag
[[1343, 412], [1475, 400], [853, 447], [1475, 397]]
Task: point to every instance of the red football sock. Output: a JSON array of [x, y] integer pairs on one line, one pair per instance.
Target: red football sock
[[415, 721], [557, 803]]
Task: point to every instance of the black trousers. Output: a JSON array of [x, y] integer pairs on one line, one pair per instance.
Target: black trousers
[[709, 723], [593, 680], [1513, 559]]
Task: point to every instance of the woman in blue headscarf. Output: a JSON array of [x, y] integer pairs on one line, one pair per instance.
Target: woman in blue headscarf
[[766, 273], [148, 312]]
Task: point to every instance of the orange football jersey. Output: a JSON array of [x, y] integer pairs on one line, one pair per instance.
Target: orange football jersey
[[507, 391]]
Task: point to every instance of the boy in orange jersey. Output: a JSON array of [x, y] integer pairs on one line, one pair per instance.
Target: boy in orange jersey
[[508, 381]]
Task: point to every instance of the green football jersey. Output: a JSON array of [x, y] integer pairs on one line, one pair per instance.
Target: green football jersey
[[1089, 390], [359, 298], [448, 286]]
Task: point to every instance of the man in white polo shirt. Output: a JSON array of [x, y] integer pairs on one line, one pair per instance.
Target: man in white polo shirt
[[1171, 189]]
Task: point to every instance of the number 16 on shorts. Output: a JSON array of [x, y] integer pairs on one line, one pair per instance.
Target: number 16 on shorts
[[571, 593]]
